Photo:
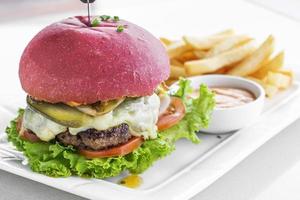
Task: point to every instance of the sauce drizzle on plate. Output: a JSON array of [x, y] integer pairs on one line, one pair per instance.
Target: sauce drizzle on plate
[[131, 181]]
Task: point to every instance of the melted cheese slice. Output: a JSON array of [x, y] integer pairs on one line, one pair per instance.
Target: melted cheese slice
[[140, 114]]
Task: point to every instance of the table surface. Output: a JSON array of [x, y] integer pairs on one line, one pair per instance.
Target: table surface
[[272, 172]]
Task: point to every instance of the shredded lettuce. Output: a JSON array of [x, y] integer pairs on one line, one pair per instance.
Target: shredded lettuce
[[53, 159]]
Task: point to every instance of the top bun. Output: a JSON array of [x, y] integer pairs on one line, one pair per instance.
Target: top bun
[[71, 61]]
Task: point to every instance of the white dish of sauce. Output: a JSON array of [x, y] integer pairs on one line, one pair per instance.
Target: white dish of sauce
[[239, 101]]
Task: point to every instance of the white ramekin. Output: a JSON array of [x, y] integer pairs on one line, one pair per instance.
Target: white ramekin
[[225, 120]]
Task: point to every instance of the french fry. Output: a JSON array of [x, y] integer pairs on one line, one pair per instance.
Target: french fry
[[177, 48], [205, 42], [222, 70], [287, 72], [274, 64], [165, 41], [279, 80], [228, 44], [176, 62], [254, 61], [259, 81], [270, 90], [214, 63], [170, 81], [186, 56], [266, 61], [200, 54], [228, 53], [176, 72], [208, 41]]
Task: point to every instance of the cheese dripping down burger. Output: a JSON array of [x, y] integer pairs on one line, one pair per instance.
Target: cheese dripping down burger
[[96, 87]]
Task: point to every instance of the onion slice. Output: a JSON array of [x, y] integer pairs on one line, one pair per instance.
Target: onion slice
[[165, 101]]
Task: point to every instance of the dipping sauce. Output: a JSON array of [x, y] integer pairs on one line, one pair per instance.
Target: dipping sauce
[[131, 181], [231, 97]]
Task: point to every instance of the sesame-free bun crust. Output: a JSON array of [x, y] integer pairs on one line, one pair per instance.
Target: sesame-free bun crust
[[70, 61]]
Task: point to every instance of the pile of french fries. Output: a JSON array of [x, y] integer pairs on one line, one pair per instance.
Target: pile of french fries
[[229, 53]]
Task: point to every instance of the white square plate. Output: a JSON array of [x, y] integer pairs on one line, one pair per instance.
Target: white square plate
[[185, 172]]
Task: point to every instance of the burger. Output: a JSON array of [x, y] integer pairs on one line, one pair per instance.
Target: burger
[[97, 104]]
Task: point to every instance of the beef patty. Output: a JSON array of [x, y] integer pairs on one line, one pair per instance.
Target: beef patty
[[93, 139]]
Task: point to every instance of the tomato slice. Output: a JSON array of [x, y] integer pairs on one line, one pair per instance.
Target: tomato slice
[[172, 115], [19, 123], [29, 136], [25, 134], [121, 150]]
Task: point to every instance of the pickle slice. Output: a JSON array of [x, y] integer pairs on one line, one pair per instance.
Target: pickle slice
[[60, 113], [100, 108]]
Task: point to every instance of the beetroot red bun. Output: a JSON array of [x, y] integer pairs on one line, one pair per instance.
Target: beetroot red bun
[[70, 61]]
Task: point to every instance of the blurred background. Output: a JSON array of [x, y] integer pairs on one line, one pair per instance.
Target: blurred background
[[16, 9], [13, 9]]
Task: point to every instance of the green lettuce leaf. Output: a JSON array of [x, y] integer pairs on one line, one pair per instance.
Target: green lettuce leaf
[[184, 91], [198, 112], [53, 159]]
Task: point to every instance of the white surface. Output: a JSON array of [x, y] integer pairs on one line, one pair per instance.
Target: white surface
[[265, 175], [288, 8], [242, 16], [286, 186]]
